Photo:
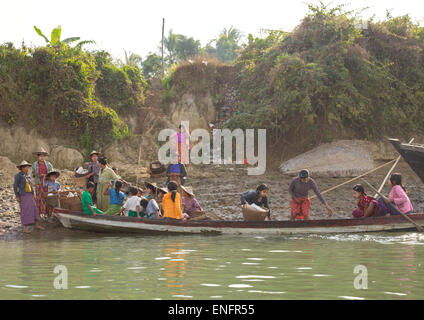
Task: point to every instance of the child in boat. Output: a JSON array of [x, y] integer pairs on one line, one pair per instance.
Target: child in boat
[[53, 187], [172, 203], [133, 204], [151, 190], [257, 197], [397, 197], [116, 198], [190, 203], [367, 206], [151, 208], [87, 201]]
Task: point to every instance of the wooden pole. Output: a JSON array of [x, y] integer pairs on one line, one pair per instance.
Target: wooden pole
[[350, 180], [390, 171], [163, 32], [419, 228]]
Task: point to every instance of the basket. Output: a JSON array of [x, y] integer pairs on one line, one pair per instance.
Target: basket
[[81, 181], [252, 214], [72, 203], [156, 167]]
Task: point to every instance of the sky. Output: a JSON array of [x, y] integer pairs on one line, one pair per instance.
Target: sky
[[136, 26]]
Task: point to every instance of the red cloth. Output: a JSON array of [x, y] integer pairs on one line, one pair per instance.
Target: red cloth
[[300, 210], [42, 168]]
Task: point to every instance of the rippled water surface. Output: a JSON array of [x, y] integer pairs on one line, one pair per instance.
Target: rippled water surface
[[221, 267]]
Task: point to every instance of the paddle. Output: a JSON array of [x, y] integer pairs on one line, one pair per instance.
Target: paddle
[[419, 228]]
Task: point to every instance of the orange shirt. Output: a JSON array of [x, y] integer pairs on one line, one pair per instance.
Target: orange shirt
[[172, 209]]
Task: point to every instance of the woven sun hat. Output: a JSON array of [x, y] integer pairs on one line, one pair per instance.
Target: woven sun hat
[[41, 151], [53, 171], [23, 164], [94, 152], [188, 190], [152, 185]]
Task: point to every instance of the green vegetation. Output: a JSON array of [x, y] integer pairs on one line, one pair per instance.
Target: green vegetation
[[333, 76], [67, 92]]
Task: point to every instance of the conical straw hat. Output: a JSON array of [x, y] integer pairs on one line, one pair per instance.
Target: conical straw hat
[[23, 164]]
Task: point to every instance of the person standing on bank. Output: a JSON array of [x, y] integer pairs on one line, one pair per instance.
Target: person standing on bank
[[40, 168], [24, 193], [300, 202], [105, 177], [94, 170], [257, 197]]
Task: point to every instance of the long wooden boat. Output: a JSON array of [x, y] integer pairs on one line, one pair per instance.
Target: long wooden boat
[[129, 225], [413, 154]]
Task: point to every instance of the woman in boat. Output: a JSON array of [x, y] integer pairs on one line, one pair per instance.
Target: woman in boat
[[190, 204], [105, 177], [367, 206], [151, 208], [172, 203], [300, 202], [93, 171], [87, 200], [40, 168], [24, 192], [397, 197], [116, 198], [151, 189], [257, 197]]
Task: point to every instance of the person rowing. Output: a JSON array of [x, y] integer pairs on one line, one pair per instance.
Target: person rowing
[[300, 202]]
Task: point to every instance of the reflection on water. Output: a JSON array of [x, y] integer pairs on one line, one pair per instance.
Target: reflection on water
[[195, 267]]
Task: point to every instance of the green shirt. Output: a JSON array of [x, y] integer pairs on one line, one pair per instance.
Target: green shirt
[[87, 200]]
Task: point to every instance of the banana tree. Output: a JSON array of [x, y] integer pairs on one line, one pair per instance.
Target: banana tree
[[55, 38]]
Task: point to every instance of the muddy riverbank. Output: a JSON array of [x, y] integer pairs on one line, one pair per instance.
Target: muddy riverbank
[[218, 189]]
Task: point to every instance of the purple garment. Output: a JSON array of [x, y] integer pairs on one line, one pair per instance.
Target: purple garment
[[191, 205], [300, 189], [179, 135], [28, 209]]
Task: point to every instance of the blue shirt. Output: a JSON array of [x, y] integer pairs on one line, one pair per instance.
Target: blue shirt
[[52, 186], [175, 168], [114, 198]]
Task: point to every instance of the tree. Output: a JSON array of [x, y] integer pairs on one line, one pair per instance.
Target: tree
[[55, 38], [133, 59], [152, 66], [180, 47], [228, 44]]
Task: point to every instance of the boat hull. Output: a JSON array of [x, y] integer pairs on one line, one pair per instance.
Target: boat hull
[[130, 225], [413, 154]]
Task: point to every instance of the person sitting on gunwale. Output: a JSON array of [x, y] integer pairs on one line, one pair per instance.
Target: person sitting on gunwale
[[397, 197], [257, 197], [367, 206], [24, 192], [172, 203], [116, 198], [300, 202], [190, 203], [87, 201], [151, 208]]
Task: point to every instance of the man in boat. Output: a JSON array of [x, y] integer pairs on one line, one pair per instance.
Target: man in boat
[[257, 197], [300, 202]]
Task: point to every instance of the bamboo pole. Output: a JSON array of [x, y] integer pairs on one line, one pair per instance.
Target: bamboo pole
[[390, 171], [419, 228], [350, 180]]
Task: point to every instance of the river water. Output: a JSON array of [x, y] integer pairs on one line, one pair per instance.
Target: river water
[[214, 267]]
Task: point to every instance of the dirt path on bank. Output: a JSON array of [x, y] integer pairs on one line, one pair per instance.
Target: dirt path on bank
[[219, 188]]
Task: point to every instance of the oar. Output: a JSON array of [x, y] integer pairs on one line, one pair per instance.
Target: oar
[[419, 228], [390, 171]]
